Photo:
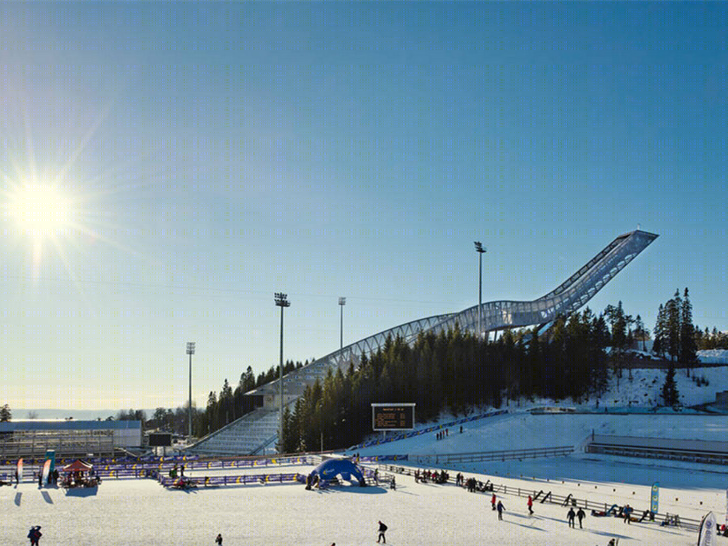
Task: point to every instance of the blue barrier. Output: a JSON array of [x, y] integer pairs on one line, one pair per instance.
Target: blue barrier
[[243, 479]]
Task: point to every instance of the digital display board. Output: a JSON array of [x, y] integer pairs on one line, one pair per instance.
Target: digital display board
[[393, 416], [160, 439]]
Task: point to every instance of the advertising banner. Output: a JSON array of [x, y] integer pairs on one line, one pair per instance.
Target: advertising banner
[[706, 536], [655, 498]]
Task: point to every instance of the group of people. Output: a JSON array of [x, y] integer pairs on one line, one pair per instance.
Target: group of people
[[476, 486], [580, 515], [434, 477], [78, 479], [443, 433]]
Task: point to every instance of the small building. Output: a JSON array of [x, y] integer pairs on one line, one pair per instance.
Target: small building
[[68, 438]]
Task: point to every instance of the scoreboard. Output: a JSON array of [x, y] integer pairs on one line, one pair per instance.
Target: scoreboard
[[160, 439], [393, 416]]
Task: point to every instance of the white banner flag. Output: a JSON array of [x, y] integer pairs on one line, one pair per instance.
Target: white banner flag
[[706, 536]]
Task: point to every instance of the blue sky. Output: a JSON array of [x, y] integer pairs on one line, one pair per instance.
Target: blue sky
[[215, 153]]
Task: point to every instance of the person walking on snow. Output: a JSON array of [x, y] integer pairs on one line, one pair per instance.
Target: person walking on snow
[[501, 509], [34, 535], [492, 501], [218, 540], [530, 504], [580, 515], [570, 517], [382, 530]]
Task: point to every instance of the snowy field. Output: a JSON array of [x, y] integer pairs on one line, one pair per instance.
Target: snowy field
[[141, 512]]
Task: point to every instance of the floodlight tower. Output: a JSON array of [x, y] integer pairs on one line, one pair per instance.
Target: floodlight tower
[[342, 302], [281, 301], [480, 250], [190, 351]]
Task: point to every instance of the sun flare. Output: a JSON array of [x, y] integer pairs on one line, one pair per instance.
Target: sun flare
[[40, 211]]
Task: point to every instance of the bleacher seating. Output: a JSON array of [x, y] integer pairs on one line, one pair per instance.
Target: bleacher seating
[[245, 436]]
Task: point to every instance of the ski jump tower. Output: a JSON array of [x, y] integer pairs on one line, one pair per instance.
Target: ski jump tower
[[565, 299]]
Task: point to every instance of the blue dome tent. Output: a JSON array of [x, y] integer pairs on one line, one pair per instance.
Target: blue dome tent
[[328, 470]]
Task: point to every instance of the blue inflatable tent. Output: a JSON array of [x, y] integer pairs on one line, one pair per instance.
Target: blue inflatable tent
[[337, 467]]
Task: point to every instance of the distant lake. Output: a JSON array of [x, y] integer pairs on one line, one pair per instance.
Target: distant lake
[[78, 415]]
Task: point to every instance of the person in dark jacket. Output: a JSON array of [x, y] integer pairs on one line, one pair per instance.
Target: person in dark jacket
[[382, 530], [580, 516], [34, 535], [500, 509], [218, 540], [570, 517]]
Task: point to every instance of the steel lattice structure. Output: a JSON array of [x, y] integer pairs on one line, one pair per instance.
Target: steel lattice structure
[[567, 298]]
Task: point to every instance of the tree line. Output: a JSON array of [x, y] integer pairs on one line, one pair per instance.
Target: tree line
[[451, 372], [455, 371]]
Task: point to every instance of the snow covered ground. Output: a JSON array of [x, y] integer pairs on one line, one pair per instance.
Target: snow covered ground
[[141, 512]]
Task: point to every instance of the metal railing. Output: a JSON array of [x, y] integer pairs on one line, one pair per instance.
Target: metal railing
[[503, 455], [540, 496]]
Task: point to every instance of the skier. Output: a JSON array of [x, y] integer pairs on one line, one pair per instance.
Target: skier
[[382, 530], [218, 540], [581, 515], [570, 516], [492, 501], [34, 535], [501, 509], [530, 504]]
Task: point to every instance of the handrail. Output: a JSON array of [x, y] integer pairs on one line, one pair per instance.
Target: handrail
[[503, 455], [605, 507]]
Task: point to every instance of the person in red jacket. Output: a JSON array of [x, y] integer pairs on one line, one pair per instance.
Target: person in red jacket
[[530, 504]]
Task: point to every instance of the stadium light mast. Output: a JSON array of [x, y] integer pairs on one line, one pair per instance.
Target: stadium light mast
[[281, 301], [190, 351], [480, 250], [342, 302]]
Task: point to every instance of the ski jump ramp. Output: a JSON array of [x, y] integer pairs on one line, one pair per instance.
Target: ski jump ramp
[[565, 299]]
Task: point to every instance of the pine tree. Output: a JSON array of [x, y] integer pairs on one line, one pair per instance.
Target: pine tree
[[688, 347], [5, 413], [672, 310], [640, 332], [670, 395], [660, 345]]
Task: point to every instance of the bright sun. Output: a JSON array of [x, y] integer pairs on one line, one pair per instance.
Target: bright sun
[[42, 212]]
